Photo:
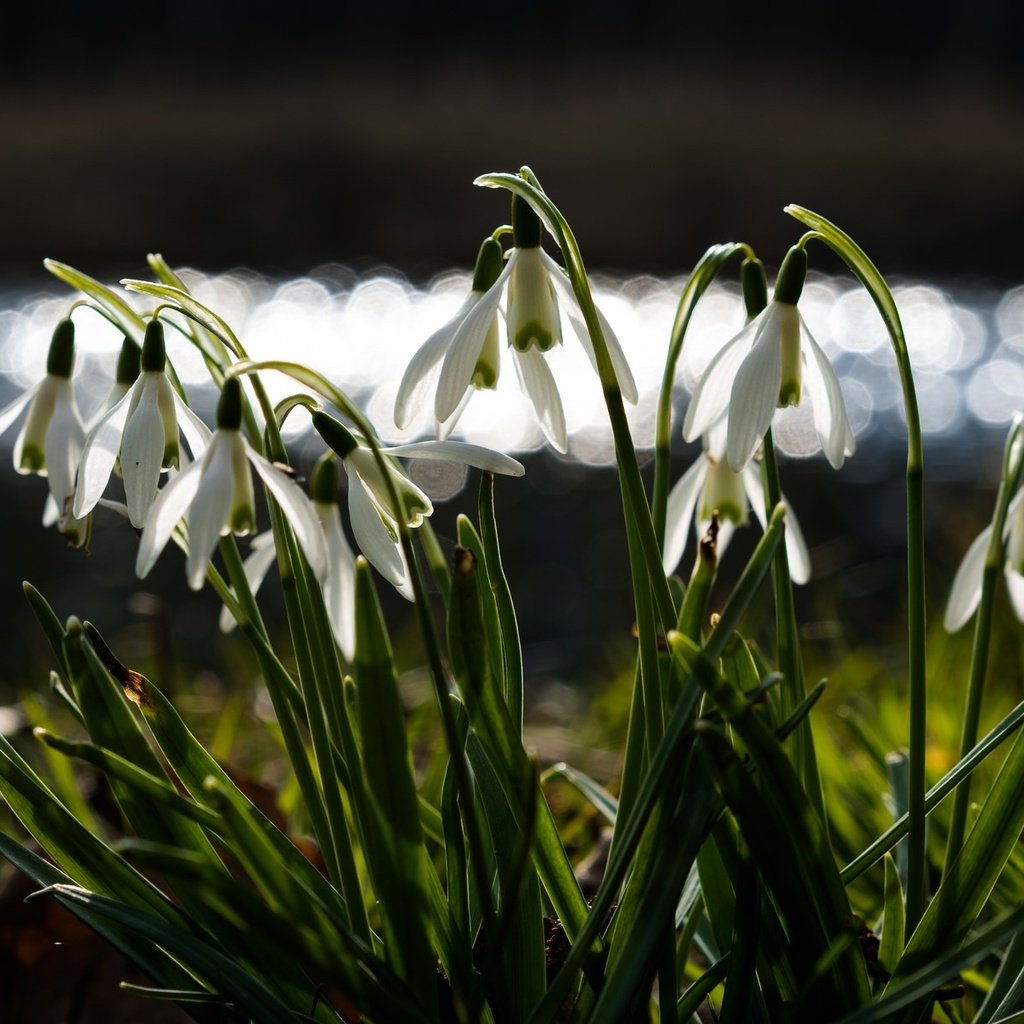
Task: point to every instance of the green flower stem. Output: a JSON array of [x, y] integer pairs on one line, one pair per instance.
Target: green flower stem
[[634, 496], [282, 709], [856, 259], [791, 663], [312, 684], [1008, 484], [647, 639], [703, 274], [510, 643]]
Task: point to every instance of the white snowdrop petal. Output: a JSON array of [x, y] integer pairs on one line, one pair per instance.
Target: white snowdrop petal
[[193, 429], [458, 451], [682, 500], [298, 510], [425, 365], [167, 511], [1015, 586], [711, 394], [208, 514], [466, 345], [966, 590], [372, 536], [99, 456], [11, 412], [262, 555], [830, 419], [796, 548], [142, 452], [538, 383], [340, 584], [755, 394]]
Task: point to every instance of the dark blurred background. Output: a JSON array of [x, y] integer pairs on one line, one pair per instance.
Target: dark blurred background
[[283, 135], [280, 136]]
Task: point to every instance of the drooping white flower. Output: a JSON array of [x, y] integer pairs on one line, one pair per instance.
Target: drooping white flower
[[371, 508], [214, 495], [769, 365], [710, 486], [965, 594], [51, 438], [466, 347], [339, 583], [140, 433], [421, 375]]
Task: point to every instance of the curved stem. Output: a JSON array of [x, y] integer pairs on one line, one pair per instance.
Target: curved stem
[[857, 260], [703, 274], [634, 495], [1008, 484]]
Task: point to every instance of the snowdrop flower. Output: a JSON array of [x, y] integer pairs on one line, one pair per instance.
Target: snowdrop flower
[[966, 592], [422, 373], [51, 438], [711, 486], [140, 433], [371, 510], [129, 365], [339, 585], [536, 286], [769, 365], [215, 497]]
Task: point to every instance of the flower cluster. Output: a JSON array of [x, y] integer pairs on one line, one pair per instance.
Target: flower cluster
[[209, 490]]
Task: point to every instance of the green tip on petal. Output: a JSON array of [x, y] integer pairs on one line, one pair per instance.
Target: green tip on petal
[[323, 484], [754, 282], [526, 227], [229, 407], [61, 359], [129, 362], [33, 459], [337, 438], [489, 262], [154, 351], [790, 282]]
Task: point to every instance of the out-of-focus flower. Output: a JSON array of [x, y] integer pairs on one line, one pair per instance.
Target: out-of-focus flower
[[966, 591], [371, 508], [710, 486], [140, 433], [769, 365], [51, 438], [215, 497], [467, 346]]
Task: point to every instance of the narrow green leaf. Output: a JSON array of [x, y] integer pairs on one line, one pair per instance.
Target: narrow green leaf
[[215, 969], [74, 849], [936, 794], [146, 955], [491, 635], [397, 855], [52, 627], [920, 985], [489, 717], [131, 323], [1006, 994], [510, 643], [600, 799], [520, 925], [893, 917], [969, 880], [805, 881], [742, 986]]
